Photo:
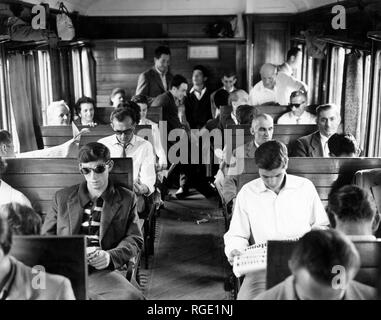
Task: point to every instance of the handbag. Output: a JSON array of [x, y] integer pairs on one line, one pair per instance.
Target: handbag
[[65, 28]]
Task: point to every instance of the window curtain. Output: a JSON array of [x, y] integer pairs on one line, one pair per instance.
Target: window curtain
[[353, 93], [20, 83], [5, 118], [336, 75]]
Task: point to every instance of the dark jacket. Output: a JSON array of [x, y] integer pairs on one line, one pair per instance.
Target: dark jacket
[[150, 84], [308, 146], [198, 112], [120, 234]]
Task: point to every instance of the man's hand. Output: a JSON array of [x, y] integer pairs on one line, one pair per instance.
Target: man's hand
[[234, 253], [99, 259], [140, 188]]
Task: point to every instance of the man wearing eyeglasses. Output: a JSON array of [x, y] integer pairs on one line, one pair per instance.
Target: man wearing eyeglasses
[[124, 143], [298, 114], [106, 214]]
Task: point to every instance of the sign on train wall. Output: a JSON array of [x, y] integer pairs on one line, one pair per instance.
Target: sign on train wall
[[39, 20]]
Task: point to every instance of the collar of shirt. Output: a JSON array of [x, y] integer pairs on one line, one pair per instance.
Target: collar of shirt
[[263, 88], [84, 197], [231, 90], [365, 237], [234, 118], [289, 184], [132, 141], [198, 94], [323, 139], [8, 281], [160, 73]]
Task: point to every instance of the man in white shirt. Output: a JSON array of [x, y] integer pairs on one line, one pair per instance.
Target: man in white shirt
[[294, 56], [274, 88], [124, 143], [276, 206], [298, 115], [316, 143]]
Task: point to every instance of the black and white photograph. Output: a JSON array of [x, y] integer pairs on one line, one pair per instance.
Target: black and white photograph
[[190, 154]]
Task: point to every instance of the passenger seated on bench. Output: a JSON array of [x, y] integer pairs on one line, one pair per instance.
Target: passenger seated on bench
[[9, 194], [22, 220], [236, 98], [118, 96], [352, 211], [106, 214], [316, 144], [343, 145], [17, 280], [142, 102], [312, 261], [85, 110], [276, 206], [124, 143], [58, 114], [262, 129], [298, 114]]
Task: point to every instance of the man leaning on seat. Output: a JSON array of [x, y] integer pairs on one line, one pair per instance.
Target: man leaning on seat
[[107, 215]]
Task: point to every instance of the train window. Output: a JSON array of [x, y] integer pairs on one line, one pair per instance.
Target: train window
[[82, 78]]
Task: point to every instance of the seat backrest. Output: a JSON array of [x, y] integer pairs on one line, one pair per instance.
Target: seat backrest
[[64, 256], [40, 179], [274, 111], [323, 172], [155, 114], [279, 253], [56, 135]]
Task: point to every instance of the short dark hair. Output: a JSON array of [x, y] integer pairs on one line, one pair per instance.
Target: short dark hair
[[22, 220], [293, 52], [5, 137], [229, 73], [162, 50], [82, 100], [126, 109], [94, 151], [177, 80], [245, 114], [271, 155], [351, 203], [319, 251], [115, 92], [221, 98], [325, 107], [340, 144], [5, 235], [140, 98], [202, 69]]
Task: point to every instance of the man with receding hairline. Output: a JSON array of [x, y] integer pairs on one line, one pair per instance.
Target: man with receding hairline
[[275, 87]]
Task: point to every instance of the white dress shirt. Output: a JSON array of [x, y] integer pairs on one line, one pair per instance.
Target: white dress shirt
[[143, 158], [290, 118], [324, 145], [261, 215], [10, 195], [198, 94], [284, 86], [157, 145]]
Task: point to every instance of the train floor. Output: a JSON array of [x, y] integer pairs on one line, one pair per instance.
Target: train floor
[[188, 262]]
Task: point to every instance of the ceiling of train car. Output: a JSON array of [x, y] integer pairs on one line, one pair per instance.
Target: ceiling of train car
[[185, 7]]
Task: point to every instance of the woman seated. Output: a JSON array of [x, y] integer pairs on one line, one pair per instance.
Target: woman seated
[[118, 96], [85, 109]]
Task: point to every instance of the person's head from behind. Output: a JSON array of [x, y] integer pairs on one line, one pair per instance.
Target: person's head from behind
[[7, 149], [22, 219], [238, 98], [352, 211], [118, 95], [314, 261], [124, 120], [142, 102], [162, 58], [245, 114], [58, 114], [271, 158], [294, 56], [328, 119], [199, 76], [179, 87], [268, 75], [221, 99], [343, 145], [262, 128], [5, 238], [95, 165], [85, 109], [229, 79], [298, 102]]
